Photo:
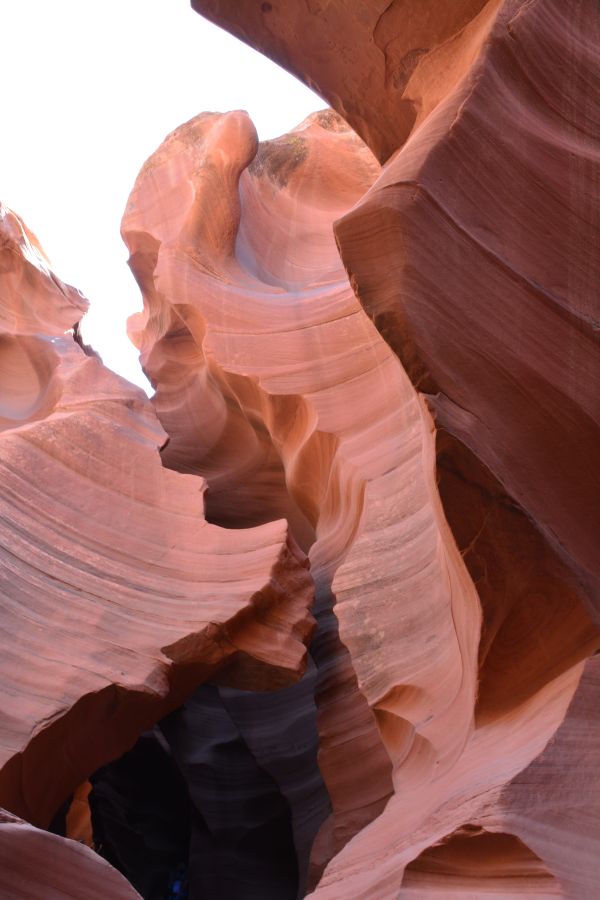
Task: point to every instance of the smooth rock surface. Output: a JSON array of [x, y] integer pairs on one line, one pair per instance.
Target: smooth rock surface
[[473, 252], [118, 598], [262, 334], [36, 864], [390, 374]]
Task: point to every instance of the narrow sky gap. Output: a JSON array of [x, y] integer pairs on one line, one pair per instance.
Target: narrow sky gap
[[90, 92]]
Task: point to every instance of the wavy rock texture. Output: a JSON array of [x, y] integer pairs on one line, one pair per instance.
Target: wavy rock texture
[[262, 325], [118, 598], [401, 362], [508, 354], [382, 65], [35, 864], [472, 253]]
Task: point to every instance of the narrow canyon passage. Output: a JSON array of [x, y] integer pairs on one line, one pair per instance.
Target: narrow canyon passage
[[321, 618]]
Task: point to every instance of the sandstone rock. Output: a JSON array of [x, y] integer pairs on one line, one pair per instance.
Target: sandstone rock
[[508, 353], [472, 254], [263, 323], [382, 65], [35, 864], [118, 597], [402, 362]]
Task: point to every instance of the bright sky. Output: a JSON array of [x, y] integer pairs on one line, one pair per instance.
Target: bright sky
[[90, 89]]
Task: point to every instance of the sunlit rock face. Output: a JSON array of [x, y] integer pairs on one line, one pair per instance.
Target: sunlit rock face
[[251, 309], [118, 598], [473, 252], [374, 435], [440, 674]]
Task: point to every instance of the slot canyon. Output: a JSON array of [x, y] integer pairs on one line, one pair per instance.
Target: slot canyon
[[321, 618]]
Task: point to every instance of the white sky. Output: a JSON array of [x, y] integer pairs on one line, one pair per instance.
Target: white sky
[[90, 89]]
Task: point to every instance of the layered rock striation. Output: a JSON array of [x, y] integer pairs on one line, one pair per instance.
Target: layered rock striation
[[118, 598], [374, 434], [295, 362], [473, 253]]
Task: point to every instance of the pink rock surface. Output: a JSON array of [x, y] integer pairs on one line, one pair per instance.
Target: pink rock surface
[[118, 597], [258, 321], [509, 354], [402, 362], [254, 409], [36, 864], [473, 255], [382, 65]]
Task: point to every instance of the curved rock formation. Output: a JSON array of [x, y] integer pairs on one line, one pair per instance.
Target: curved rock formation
[[473, 254], [268, 329], [259, 324], [476, 863], [118, 597], [382, 65], [35, 863], [389, 373], [505, 197], [508, 356]]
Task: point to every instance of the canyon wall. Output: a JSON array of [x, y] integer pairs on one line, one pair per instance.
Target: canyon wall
[[475, 255], [321, 618], [118, 597]]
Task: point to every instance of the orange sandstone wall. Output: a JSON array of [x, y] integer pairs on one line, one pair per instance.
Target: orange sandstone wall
[[341, 572]]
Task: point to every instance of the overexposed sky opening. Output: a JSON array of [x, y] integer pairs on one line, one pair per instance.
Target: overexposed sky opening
[[90, 91]]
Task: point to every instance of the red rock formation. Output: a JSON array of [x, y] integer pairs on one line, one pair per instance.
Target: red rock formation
[[266, 326], [403, 363], [382, 65], [496, 153], [118, 597], [477, 863], [509, 355], [238, 316], [473, 254], [36, 864]]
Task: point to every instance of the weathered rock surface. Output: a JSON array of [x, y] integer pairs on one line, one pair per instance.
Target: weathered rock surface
[[493, 158], [264, 323], [474, 253], [36, 864], [382, 65], [264, 338], [402, 362], [509, 354], [118, 598]]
